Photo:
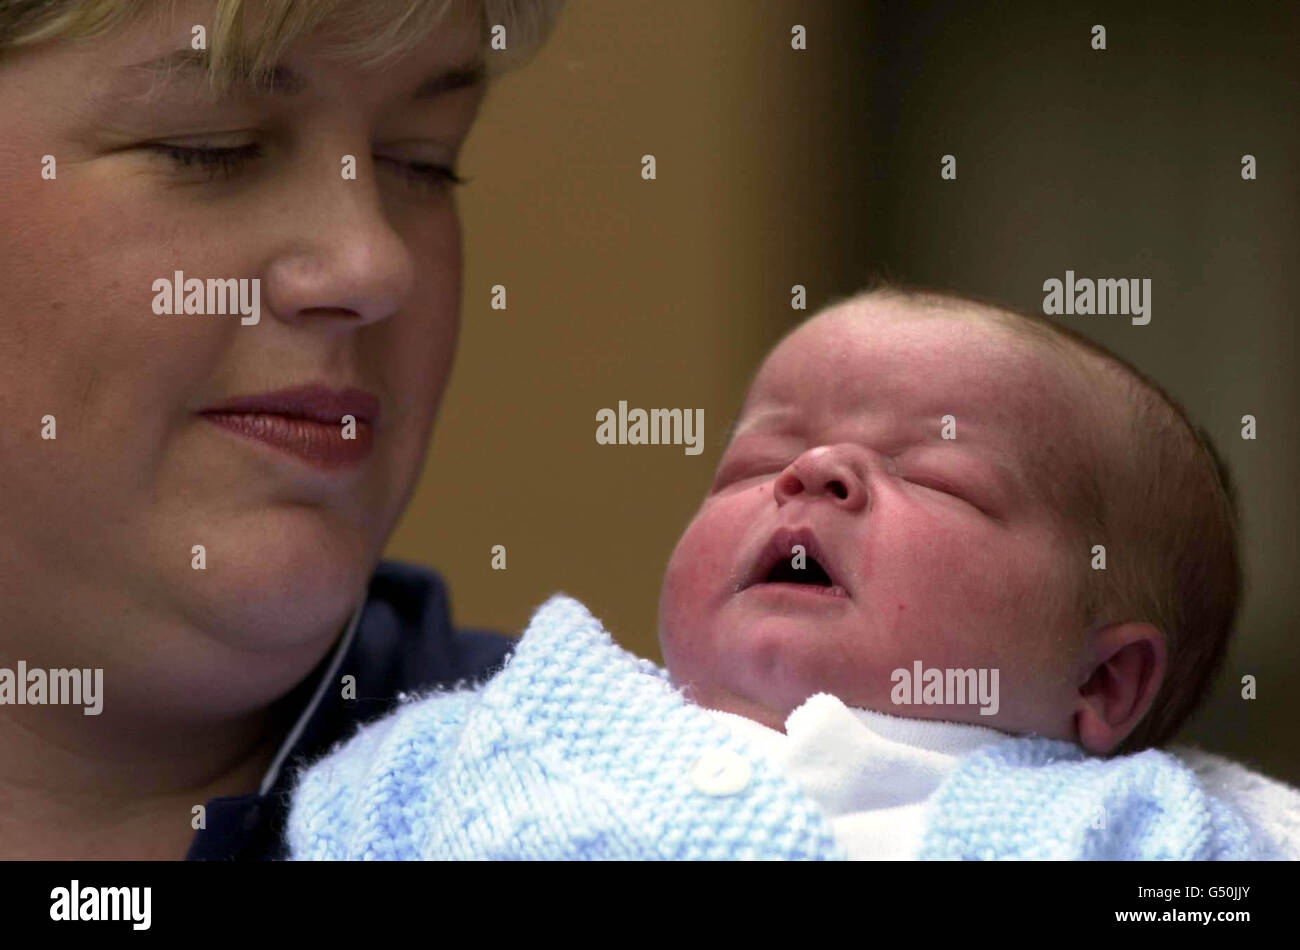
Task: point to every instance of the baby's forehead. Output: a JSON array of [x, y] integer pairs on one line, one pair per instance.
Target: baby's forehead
[[892, 377], [888, 357]]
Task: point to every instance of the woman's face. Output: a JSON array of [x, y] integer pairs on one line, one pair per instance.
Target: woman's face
[[359, 289]]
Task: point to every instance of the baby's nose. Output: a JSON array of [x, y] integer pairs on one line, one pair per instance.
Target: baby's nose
[[830, 472]]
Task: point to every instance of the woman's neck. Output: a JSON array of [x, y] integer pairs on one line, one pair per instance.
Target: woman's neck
[[59, 803]]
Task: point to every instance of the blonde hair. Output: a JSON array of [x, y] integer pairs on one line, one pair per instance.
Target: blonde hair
[[383, 29]]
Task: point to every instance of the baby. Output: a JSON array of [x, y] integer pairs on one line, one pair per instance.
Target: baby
[[958, 572]]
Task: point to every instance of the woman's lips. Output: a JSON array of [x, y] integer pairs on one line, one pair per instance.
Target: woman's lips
[[307, 421], [318, 443], [316, 402]]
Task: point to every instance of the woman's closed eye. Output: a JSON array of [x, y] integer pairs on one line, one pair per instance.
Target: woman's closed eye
[[226, 161], [426, 174], [214, 161]]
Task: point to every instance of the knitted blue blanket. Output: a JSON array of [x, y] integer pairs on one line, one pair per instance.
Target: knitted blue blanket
[[578, 749]]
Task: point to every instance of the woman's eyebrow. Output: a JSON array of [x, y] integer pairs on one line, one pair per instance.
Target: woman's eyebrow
[[465, 76], [281, 80], [190, 65]]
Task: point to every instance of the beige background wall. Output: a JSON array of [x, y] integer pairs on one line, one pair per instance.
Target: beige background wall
[[777, 167]]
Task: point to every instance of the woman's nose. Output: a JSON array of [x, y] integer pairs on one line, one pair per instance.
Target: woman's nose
[[831, 472], [341, 259]]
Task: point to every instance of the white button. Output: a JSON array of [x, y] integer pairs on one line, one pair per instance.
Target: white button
[[720, 772]]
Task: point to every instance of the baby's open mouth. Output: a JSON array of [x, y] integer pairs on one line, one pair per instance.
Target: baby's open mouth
[[812, 573], [795, 559]]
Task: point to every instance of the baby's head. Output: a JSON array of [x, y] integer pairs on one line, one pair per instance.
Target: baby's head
[[949, 469]]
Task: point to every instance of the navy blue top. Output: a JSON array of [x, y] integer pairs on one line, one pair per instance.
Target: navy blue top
[[400, 640]]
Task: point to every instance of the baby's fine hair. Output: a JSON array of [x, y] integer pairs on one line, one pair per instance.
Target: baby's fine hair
[[1156, 493]]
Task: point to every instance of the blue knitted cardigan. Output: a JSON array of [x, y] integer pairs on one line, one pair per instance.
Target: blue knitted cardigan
[[578, 749]]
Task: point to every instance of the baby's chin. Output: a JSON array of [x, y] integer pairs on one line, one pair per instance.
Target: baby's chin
[[766, 678], [755, 687], [764, 664]]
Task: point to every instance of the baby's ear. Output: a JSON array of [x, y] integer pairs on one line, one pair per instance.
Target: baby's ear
[[1127, 666]]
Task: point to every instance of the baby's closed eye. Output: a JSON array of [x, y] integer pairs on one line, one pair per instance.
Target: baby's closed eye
[[939, 485]]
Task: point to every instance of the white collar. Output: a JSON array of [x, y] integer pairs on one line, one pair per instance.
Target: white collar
[[822, 711], [870, 772]]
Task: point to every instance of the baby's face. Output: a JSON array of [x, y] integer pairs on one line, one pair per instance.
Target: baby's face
[[942, 551]]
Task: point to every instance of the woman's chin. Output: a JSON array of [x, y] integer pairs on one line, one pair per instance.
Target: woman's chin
[[276, 589]]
